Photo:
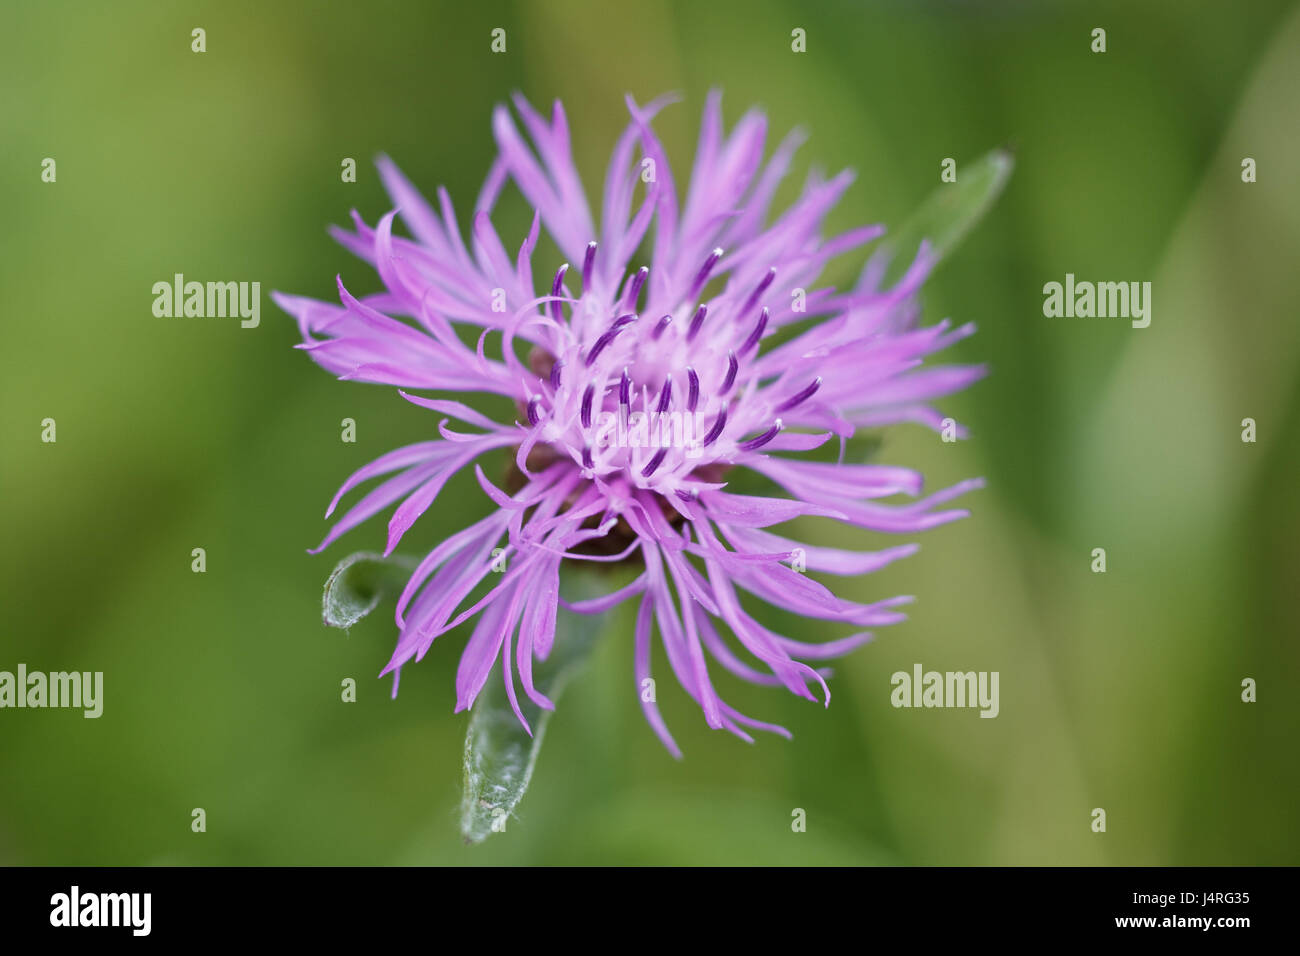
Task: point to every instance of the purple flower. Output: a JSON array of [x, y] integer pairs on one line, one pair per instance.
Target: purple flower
[[639, 389]]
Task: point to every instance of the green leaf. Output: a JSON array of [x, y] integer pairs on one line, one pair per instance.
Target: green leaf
[[950, 212], [499, 754], [359, 583]]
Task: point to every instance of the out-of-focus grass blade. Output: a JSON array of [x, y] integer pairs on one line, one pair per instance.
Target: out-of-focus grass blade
[[947, 215]]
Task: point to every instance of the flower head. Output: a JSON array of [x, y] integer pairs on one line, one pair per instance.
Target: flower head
[[640, 388]]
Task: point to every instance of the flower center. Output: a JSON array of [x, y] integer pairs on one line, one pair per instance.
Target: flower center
[[633, 389]]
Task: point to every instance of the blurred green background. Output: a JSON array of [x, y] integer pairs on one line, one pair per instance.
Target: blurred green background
[[1119, 691]]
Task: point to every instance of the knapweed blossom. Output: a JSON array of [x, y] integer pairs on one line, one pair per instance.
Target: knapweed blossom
[[678, 354]]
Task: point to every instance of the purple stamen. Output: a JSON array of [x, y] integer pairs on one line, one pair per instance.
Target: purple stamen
[[693, 398], [666, 395], [806, 394], [588, 261], [556, 288], [533, 415], [606, 337], [756, 334], [696, 321], [732, 366], [555, 375], [634, 287], [687, 496], [663, 324], [586, 458], [719, 424], [702, 276], [758, 291], [587, 396], [654, 463], [625, 389], [762, 439]]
